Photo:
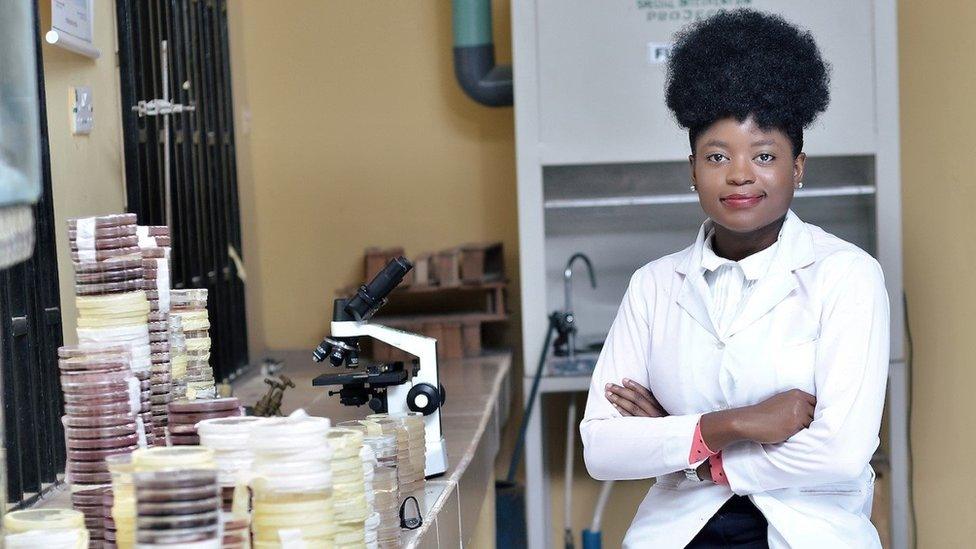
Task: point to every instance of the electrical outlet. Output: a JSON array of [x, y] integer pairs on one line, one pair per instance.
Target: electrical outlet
[[82, 110]]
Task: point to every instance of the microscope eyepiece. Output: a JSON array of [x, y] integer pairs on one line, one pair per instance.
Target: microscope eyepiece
[[370, 296]]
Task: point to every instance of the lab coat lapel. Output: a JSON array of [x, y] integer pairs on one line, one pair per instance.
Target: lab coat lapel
[[795, 250], [694, 295], [694, 298], [770, 290]]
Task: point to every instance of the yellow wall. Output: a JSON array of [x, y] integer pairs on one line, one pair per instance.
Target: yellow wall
[[352, 132], [938, 82], [86, 171]]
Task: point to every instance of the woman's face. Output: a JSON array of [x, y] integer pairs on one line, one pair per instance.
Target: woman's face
[[745, 175]]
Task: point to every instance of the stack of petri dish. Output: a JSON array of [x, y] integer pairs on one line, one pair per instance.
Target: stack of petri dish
[[379, 455], [230, 439], [161, 392], [154, 245], [103, 238], [370, 525], [185, 414], [148, 460], [110, 296], [108, 499], [178, 508], [191, 307], [416, 448], [96, 327], [184, 457], [47, 528], [123, 503], [292, 485], [406, 472], [372, 531], [348, 487], [177, 358], [107, 277], [386, 496], [237, 533], [103, 403]]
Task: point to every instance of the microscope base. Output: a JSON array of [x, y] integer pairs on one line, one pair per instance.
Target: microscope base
[[436, 458]]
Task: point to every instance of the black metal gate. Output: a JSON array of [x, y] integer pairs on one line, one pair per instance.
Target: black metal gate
[[30, 334], [203, 190]]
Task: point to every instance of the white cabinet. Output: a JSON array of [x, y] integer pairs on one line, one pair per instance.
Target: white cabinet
[[601, 99]]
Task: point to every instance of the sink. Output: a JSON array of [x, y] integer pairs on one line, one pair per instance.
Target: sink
[[581, 365]]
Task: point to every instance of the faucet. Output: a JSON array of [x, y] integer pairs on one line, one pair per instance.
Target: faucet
[[570, 334]]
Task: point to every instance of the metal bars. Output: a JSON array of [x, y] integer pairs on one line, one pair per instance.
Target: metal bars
[[30, 334], [204, 200]]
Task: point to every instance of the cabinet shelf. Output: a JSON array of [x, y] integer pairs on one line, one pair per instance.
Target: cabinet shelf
[[689, 198]]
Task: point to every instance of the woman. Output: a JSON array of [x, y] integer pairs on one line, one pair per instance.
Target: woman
[[746, 373]]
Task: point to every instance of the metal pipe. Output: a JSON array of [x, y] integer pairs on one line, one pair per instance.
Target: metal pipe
[[601, 504], [164, 67], [474, 55], [568, 485]]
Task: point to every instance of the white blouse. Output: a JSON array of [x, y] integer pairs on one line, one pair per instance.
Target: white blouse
[[731, 282]]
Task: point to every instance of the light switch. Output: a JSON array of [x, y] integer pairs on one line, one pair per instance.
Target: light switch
[[82, 110]]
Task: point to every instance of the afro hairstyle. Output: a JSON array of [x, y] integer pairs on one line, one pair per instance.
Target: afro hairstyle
[[744, 63]]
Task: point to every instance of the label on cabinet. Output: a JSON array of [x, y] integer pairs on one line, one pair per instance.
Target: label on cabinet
[[658, 52]]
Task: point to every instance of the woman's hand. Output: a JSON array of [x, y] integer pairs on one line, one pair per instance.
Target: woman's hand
[[770, 422], [633, 399], [777, 418]]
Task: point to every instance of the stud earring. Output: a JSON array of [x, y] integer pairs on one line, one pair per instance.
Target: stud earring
[[694, 188], [799, 185]]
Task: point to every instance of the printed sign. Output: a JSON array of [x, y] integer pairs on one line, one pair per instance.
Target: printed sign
[[658, 52], [72, 27], [72, 17], [683, 11]]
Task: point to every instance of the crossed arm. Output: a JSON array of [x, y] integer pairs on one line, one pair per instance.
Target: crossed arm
[[792, 439]]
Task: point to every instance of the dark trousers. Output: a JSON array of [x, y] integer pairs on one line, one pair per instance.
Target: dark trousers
[[737, 525]]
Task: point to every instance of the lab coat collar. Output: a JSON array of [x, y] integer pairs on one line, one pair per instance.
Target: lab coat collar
[[794, 250], [753, 267]]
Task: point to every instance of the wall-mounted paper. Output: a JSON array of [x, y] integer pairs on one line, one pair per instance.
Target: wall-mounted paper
[[72, 27]]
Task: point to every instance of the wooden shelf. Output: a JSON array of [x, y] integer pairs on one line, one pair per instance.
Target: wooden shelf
[[415, 289], [462, 318]]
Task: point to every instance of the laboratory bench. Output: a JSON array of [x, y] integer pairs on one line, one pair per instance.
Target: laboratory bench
[[478, 400]]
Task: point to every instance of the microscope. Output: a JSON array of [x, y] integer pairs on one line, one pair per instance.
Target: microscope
[[385, 387]]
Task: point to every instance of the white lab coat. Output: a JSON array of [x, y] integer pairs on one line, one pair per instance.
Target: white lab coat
[[817, 321]]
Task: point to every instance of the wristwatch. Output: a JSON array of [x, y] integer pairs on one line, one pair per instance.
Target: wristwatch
[[692, 474]]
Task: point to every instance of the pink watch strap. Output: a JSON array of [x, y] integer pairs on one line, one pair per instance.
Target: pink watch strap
[[718, 471], [699, 450]]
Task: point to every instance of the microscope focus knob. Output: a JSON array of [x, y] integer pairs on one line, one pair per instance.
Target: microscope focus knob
[[377, 405], [423, 398]]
